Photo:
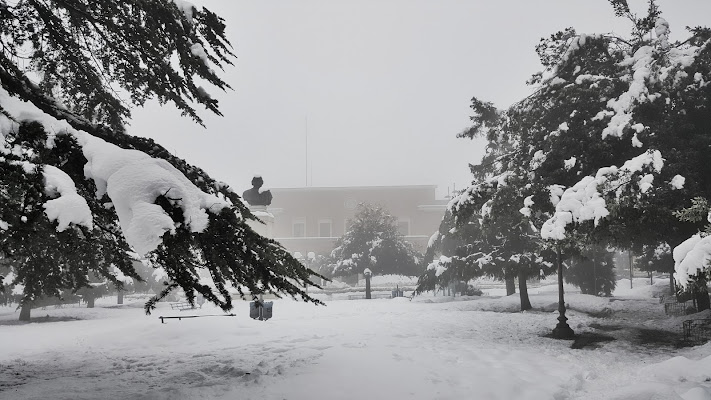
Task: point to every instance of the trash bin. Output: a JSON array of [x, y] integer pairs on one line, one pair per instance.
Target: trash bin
[[261, 310]]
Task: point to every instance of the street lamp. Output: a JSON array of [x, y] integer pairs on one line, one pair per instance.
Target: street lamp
[[562, 330]]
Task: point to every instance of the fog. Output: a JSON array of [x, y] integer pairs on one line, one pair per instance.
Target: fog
[[371, 92]]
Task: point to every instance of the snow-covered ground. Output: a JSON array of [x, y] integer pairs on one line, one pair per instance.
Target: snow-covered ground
[[427, 348]]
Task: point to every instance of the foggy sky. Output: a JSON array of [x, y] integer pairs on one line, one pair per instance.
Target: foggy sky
[[381, 86]]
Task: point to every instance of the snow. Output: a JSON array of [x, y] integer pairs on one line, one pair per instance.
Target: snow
[[556, 192], [645, 183], [539, 157], [186, 7], [527, 203], [583, 201], [677, 182], [485, 209], [637, 91], [9, 277], [690, 257], [579, 203], [433, 347], [132, 179], [198, 51], [431, 242], [440, 266], [569, 163], [120, 276], [69, 207]]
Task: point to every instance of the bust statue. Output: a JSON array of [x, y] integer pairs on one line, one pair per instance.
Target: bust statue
[[256, 198]]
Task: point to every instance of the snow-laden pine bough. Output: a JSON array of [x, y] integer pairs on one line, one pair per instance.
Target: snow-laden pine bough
[[78, 195], [197, 235]]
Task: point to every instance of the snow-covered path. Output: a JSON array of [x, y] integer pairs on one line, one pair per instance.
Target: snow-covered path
[[360, 349]]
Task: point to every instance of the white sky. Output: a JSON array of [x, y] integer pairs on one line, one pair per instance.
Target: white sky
[[384, 86]]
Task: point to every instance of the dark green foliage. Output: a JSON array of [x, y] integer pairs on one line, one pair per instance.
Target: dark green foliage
[[483, 233], [557, 135], [673, 125], [593, 271], [323, 265], [655, 258], [485, 115], [44, 261], [550, 50], [373, 242], [641, 26], [83, 49], [231, 254]]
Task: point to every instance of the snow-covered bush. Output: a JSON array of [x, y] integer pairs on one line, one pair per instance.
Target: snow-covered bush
[[373, 241]]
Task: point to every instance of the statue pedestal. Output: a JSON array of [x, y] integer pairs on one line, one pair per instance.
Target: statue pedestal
[[267, 228]]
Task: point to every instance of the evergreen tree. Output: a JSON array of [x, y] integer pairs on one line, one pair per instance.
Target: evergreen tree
[[484, 233], [602, 101], [691, 258], [83, 51], [634, 103], [593, 271], [61, 64], [657, 258], [373, 241]]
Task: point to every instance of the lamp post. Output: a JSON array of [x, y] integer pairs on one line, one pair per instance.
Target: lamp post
[[562, 330], [367, 273], [310, 258]]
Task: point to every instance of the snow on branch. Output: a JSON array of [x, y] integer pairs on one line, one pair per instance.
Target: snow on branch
[[69, 207], [650, 64], [585, 200], [132, 179], [690, 258], [186, 7]]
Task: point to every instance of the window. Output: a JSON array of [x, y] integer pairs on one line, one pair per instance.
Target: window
[[403, 226], [299, 227], [324, 228]]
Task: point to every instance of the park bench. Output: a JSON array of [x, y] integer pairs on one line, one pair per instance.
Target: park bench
[[184, 306], [372, 296], [180, 318]]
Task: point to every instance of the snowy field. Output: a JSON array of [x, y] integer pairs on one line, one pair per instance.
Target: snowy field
[[428, 348]]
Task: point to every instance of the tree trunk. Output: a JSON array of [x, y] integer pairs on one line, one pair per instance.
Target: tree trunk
[[630, 257], [701, 295], [672, 289], [120, 297], [90, 302], [510, 285], [595, 292], [25, 311], [523, 291]]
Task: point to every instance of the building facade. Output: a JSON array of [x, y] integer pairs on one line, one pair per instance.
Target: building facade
[[311, 219]]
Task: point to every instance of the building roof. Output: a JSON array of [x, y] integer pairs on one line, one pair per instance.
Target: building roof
[[352, 188]]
